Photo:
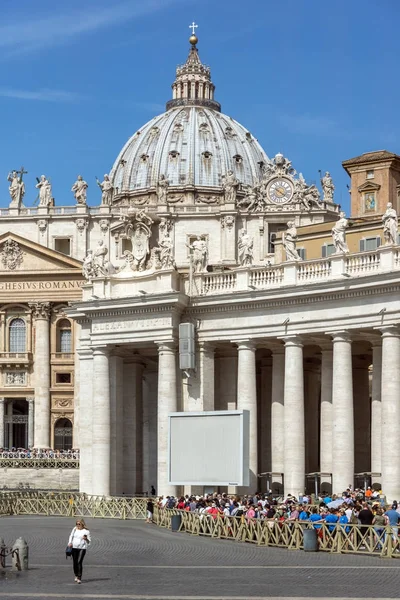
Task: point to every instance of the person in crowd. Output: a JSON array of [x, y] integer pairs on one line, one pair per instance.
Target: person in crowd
[[79, 541], [393, 518], [150, 510]]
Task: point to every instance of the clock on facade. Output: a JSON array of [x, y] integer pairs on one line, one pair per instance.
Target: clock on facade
[[280, 190]]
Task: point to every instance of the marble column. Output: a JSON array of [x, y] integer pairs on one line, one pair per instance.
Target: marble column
[[247, 400], [362, 414], [166, 403], [31, 422], [41, 314], [2, 420], [264, 438], [207, 375], [277, 411], [101, 422], [116, 423], [294, 437], [376, 411], [343, 411], [390, 396], [326, 416], [75, 436], [86, 432]]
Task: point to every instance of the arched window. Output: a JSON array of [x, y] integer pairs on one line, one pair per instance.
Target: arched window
[[17, 335], [63, 434], [64, 336]]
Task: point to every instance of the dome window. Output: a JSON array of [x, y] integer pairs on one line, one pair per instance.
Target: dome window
[[144, 158], [122, 162], [238, 159], [249, 137], [178, 127], [229, 133], [207, 155], [204, 127], [174, 154], [154, 131]]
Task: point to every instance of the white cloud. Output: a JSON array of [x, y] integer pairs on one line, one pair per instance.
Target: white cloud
[[32, 33], [43, 95]]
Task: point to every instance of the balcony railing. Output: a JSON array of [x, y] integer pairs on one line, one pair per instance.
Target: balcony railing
[[62, 356], [15, 357], [336, 267]]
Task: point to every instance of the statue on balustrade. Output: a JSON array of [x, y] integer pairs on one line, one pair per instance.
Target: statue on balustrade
[[45, 193], [305, 194], [245, 249], [107, 190], [16, 188], [289, 240], [199, 254], [339, 234], [327, 187], [390, 225], [79, 188]]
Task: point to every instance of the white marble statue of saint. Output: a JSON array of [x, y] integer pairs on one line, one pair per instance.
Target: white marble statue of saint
[[88, 270], [16, 189], [166, 252], [45, 192], [79, 188], [199, 252], [107, 190], [339, 234], [390, 225], [162, 189], [289, 240], [327, 187], [245, 249], [99, 258], [230, 186]]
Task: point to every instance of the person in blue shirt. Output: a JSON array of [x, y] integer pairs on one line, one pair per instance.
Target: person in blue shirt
[[394, 519], [332, 519], [303, 516], [343, 520], [315, 517]]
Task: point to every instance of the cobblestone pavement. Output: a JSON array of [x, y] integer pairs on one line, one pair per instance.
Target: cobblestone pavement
[[136, 561]]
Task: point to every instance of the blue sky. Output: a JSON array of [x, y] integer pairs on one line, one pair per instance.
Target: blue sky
[[318, 81]]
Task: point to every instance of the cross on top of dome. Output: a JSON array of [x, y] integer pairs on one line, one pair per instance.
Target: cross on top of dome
[[193, 85]]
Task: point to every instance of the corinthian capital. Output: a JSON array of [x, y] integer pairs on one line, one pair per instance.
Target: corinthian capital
[[40, 310]]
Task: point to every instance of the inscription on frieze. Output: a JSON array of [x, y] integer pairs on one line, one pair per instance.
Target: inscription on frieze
[[133, 325]]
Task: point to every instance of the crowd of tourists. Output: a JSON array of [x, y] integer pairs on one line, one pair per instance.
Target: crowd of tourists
[[358, 507], [38, 453]]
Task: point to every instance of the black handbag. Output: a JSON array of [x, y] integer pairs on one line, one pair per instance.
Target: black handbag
[[68, 551]]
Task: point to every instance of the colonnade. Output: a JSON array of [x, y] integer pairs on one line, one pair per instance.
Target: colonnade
[[288, 444]]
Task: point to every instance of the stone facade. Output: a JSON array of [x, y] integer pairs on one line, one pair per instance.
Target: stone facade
[[188, 231]]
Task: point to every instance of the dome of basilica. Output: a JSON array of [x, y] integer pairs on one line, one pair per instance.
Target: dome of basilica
[[192, 144]]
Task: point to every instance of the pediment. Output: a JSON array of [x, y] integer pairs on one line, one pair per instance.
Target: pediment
[[369, 186], [20, 255]]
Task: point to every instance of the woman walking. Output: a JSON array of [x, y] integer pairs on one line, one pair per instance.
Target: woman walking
[[79, 540]]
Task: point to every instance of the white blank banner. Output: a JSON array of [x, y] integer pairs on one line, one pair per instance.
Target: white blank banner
[[209, 448]]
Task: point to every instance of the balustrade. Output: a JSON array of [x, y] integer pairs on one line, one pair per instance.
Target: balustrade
[[311, 271], [267, 277], [366, 262]]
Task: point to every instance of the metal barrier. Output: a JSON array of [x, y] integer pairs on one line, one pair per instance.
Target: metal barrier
[[71, 505], [39, 463], [338, 538]]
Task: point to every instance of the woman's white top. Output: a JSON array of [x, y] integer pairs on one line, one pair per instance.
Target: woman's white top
[[76, 538]]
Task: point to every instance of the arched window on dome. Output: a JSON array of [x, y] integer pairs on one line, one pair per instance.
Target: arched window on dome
[[238, 159], [17, 335], [64, 336]]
